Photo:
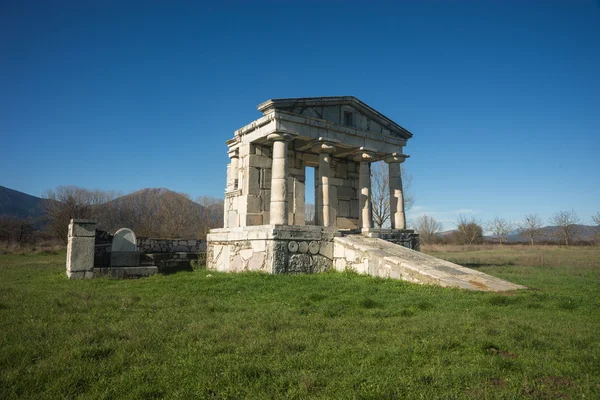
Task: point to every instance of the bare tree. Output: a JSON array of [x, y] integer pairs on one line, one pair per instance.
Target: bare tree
[[596, 218], [567, 222], [500, 228], [380, 192], [66, 202], [469, 230], [211, 215], [531, 226], [15, 229], [428, 228]]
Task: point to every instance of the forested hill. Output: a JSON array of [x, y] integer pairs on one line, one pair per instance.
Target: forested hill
[[20, 205]]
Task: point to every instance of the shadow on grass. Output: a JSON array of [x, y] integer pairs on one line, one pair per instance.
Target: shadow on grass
[[475, 265]]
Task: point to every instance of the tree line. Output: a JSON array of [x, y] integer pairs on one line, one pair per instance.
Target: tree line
[[470, 230], [158, 213]]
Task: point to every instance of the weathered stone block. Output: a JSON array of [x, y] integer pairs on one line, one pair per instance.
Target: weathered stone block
[[254, 219], [245, 254], [259, 161], [80, 253], [343, 208], [253, 181], [259, 245], [326, 249], [298, 234], [340, 264], [296, 172], [347, 223], [279, 257], [338, 251], [354, 208], [345, 192], [299, 263], [320, 264], [254, 204], [244, 150], [82, 228], [124, 259], [336, 181], [341, 170], [265, 180], [257, 262], [232, 219], [265, 201]]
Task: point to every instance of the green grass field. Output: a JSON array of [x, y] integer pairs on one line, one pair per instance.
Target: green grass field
[[336, 335]]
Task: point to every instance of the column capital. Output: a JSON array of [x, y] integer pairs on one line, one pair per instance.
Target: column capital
[[364, 154], [324, 145], [396, 158], [281, 136]]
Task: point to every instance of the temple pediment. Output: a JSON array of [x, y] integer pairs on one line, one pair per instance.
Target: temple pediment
[[347, 111]]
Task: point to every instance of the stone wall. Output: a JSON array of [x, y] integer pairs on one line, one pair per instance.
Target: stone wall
[[345, 184], [153, 245]]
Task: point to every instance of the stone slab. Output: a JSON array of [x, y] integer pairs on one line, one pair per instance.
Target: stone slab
[[124, 240], [80, 253], [124, 259], [381, 258], [82, 228]]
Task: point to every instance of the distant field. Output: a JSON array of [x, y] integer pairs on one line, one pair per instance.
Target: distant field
[[335, 335]]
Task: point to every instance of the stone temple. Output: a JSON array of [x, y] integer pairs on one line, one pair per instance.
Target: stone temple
[[265, 202]]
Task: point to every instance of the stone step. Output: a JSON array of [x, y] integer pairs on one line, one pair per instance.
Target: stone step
[[378, 257]]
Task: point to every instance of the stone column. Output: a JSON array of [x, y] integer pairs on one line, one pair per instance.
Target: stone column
[[327, 211], [397, 216], [365, 157], [318, 196], [279, 177], [232, 172]]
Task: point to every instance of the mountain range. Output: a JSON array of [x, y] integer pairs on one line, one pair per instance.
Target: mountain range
[[25, 206], [22, 205]]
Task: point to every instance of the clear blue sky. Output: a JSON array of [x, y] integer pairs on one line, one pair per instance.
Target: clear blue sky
[[503, 97]]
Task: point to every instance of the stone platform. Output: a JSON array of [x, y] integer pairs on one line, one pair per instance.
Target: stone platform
[[380, 258], [274, 249]]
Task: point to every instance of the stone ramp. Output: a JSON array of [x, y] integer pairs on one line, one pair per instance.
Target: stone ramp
[[380, 258]]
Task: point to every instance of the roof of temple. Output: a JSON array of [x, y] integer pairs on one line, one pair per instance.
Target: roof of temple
[[291, 103]]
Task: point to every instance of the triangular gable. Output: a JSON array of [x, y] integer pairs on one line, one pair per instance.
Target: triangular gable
[[347, 110]]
